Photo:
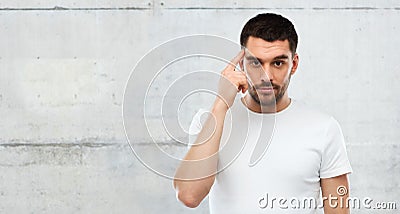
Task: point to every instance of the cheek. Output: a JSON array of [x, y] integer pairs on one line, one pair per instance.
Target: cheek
[[254, 78], [285, 73]]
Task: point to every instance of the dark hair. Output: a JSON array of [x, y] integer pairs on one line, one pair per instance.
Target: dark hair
[[270, 27]]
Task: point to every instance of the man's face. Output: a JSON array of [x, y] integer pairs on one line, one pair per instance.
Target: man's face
[[269, 66]]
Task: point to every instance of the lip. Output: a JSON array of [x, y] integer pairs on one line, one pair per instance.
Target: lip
[[266, 89]]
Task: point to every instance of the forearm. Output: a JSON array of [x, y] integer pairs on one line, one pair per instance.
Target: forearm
[[196, 174]]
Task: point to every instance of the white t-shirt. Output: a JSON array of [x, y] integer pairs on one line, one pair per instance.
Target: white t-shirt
[[304, 146]]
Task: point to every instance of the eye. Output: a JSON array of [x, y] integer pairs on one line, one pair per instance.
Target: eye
[[255, 63], [278, 64]]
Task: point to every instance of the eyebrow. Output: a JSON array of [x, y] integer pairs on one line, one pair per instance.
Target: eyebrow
[[283, 56]]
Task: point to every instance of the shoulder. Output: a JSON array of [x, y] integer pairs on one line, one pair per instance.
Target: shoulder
[[309, 113]]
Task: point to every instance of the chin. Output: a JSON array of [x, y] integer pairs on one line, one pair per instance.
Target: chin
[[268, 101]]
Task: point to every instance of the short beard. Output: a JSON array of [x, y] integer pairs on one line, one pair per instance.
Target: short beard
[[278, 97]]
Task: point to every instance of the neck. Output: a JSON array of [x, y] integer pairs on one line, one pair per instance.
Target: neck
[[252, 105]]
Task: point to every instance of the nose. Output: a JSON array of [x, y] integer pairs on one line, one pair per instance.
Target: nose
[[266, 76]]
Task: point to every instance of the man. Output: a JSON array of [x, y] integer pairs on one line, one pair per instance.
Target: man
[[305, 152]]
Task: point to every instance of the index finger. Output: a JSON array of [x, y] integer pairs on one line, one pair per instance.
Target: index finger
[[236, 59]]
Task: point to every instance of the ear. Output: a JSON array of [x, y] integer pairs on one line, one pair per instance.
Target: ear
[[295, 64]]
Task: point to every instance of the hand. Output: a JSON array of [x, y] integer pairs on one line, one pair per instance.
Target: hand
[[232, 81]]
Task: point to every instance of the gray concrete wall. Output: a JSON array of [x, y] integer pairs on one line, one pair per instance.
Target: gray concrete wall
[[64, 66]]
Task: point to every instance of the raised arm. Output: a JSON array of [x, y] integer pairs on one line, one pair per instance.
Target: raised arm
[[196, 173]]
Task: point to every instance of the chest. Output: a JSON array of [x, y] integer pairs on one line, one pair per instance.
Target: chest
[[291, 160]]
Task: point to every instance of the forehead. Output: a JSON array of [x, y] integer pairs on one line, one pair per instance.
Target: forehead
[[263, 49]]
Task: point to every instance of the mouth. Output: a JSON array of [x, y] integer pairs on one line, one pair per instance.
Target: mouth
[[265, 90]]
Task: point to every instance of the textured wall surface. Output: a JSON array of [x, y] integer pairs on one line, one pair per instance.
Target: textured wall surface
[[64, 66]]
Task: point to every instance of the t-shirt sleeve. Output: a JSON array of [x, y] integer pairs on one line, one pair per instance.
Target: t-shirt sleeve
[[335, 161], [195, 126]]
